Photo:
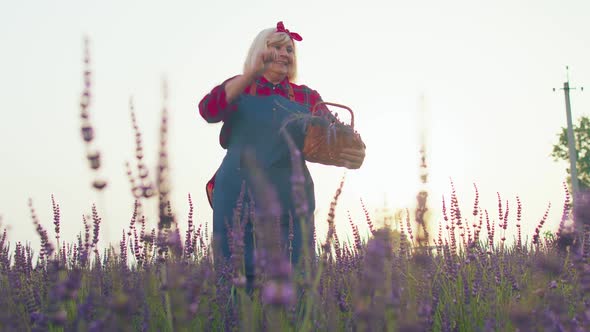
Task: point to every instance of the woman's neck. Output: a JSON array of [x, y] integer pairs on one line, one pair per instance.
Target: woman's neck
[[274, 78]]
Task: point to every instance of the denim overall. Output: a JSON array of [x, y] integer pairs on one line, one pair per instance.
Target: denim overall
[[255, 136]]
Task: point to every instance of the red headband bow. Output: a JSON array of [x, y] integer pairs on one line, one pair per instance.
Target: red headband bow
[[293, 35]]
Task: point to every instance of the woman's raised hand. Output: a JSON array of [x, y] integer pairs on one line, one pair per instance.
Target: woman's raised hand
[[235, 86], [265, 58]]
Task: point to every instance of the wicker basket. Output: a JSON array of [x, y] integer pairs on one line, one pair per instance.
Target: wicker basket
[[326, 136]]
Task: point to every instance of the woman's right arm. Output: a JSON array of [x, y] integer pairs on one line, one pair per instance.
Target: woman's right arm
[[214, 107], [235, 86], [217, 104]]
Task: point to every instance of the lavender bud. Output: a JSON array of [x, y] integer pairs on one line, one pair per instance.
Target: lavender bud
[[99, 184], [87, 133], [94, 158]]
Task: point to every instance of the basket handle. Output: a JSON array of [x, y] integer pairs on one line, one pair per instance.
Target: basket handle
[[337, 105]]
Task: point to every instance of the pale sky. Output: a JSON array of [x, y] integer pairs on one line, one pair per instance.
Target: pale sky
[[486, 69]]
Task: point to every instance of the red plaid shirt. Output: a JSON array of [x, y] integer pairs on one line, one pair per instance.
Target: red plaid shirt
[[214, 107]]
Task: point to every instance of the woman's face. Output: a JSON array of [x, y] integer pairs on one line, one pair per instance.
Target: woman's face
[[284, 59]]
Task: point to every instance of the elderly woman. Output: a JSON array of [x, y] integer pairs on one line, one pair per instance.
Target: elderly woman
[[254, 108]]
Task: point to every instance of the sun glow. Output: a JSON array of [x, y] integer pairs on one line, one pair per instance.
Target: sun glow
[[391, 177]]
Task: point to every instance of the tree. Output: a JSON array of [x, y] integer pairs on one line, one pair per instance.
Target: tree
[[582, 137]]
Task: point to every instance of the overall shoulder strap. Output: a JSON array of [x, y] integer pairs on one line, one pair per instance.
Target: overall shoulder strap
[[291, 93], [253, 88]]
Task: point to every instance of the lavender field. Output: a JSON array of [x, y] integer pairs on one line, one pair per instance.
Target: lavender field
[[463, 275], [165, 280]]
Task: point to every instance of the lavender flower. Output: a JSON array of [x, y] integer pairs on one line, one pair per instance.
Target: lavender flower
[[96, 230], [87, 131], [369, 299], [144, 184], [56, 218], [331, 217], [278, 293], [536, 237], [46, 246], [368, 218]]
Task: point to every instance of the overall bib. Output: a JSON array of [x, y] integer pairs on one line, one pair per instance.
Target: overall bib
[[256, 136]]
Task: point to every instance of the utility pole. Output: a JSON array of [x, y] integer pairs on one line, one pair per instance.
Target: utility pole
[[571, 142]]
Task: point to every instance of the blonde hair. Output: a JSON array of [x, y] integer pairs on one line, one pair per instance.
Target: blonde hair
[[266, 38]]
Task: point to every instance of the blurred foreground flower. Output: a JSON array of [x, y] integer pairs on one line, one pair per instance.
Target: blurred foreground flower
[[280, 293]]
